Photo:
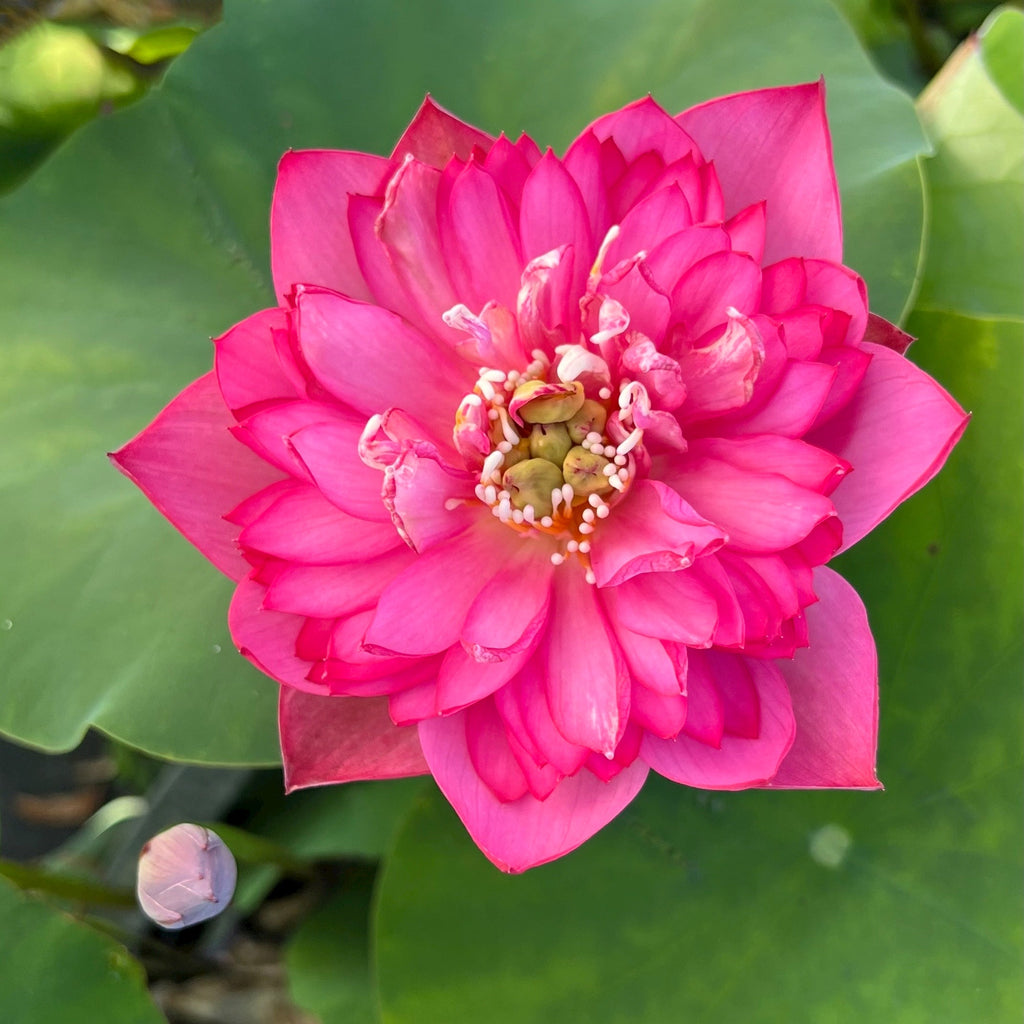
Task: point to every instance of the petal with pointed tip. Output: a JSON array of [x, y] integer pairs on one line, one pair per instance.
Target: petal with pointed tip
[[191, 468], [739, 763], [435, 135], [896, 434], [834, 687], [310, 241], [526, 832], [774, 145]]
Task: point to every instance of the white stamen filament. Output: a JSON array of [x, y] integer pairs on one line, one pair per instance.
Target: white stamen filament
[[492, 464], [586, 527], [507, 429], [557, 558], [584, 547], [626, 446]]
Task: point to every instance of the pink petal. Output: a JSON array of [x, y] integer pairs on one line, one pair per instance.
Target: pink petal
[[761, 512], [509, 609], [462, 680], [587, 683], [896, 434], [416, 492], [834, 686], [491, 755], [658, 713], [720, 376], [665, 605], [650, 664], [435, 135], [774, 145], [643, 126], [247, 362], [707, 291], [553, 214], [481, 241], [325, 740], [303, 526], [399, 367], [268, 639], [423, 610], [747, 231], [309, 238], [799, 397], [705, 709], [653, 530], [407, 228], [330, 591], [654, 219], [810, 467], [739, 763], [191, 468], [330, 451], [526, 832]]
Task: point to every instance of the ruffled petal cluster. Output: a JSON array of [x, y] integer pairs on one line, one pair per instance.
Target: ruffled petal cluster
[[531, 477]]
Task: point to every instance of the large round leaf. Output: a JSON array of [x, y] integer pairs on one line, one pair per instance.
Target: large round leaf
[[900, 906], [57, 970], [147, 234]]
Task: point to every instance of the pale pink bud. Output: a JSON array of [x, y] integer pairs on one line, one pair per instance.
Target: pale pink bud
[[186, 875]]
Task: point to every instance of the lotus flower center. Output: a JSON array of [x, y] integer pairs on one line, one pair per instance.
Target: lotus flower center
[[540, 439]]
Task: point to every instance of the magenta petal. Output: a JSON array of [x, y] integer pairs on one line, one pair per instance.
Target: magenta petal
[[834, 687], [481, 241], [248, 364], [553, 214], [325, 740], [761, 512], [774, 145], [423, 609], [401, 363], [435, 135], [880, 332], [268, 639], [587, 682], [896, 434], [654, 530], [526, 832], [330, 451], [310, 241], [738, 763], [192, 469]]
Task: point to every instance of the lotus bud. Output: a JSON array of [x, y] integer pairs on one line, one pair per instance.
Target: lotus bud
[[585, 472], [186, 875], [550, 441], [538, 401], [531, 483], [591, 417]]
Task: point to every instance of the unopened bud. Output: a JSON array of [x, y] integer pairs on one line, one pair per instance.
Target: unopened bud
[[550, 441], [186, 875], [584, 471], [531, 483], [591, 417], [538, 401]]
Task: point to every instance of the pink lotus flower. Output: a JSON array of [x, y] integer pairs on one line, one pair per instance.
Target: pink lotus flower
[[530, 479]]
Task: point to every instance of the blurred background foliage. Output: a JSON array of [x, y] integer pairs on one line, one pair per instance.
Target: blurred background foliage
[[125, 245]]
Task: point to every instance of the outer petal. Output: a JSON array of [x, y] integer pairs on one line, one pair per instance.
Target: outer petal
[[325, 740], [309, 237], [896, 434], [774, 145], [435, 135], [738, 763], [527, 832], [394, 360], [192, 469], [834, 686]]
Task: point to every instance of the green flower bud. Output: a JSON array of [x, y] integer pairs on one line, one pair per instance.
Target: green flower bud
[[550, 441], [531, 483], [538, 401], [584, 471], [590, 417]]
